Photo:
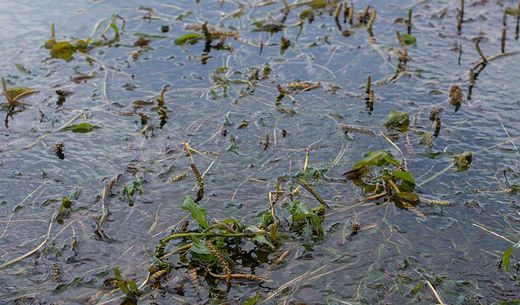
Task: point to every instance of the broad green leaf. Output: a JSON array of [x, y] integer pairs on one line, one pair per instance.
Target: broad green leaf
[[463, 161], [66, 202], [407, 180], [199, 247], [81, 128], [417, 288], [373, 158], [190, 38], [302, 213], [299, 210], [409, 39], [63, 50], [397, 121], [262, 240], [198, 213], [506, 258], [267, 219]]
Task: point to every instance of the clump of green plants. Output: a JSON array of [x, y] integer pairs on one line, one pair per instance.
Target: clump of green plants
[[380, 175], [65, 49]]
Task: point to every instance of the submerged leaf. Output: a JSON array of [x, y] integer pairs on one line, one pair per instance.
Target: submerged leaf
[[198, 213], [191, 38], [397, 121], [506, 258], [81, 128]]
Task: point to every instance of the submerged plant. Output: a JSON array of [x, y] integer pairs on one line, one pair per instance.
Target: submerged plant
[[391, 180]]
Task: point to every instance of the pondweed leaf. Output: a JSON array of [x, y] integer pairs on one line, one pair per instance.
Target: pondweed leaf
[[407, 197], [254, 299], [81, 128], [302, 214], [63, 50], [407, 180], [16, 93], [427, 139], [373, 158], [128, 287], [200, 247], [506, 258], [190, 38], [397, 121], [198, 213], [409, 39], [463, 161], [417, 288]]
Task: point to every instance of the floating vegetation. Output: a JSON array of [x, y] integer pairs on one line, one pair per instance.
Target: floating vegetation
[[397, 121], [188, 38], [66, 49], [84, 127], [463, 161]]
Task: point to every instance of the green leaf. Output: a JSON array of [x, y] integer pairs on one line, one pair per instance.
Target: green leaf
[[463, 161], [427, 139], [66, 202], [299, 210], [373, 158], [63, 50], [506, 258], [407, 180], [301, 213], [262, 240], [397, 121], [15, 93], [199, 247], [190, 38], [267, 219], [417, 288], [81, 128], [198, 213], [407, 197], [253, 300], [409, 39], [128, 191]]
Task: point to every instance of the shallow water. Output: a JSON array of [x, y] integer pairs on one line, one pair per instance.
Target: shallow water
[[457, 248]]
